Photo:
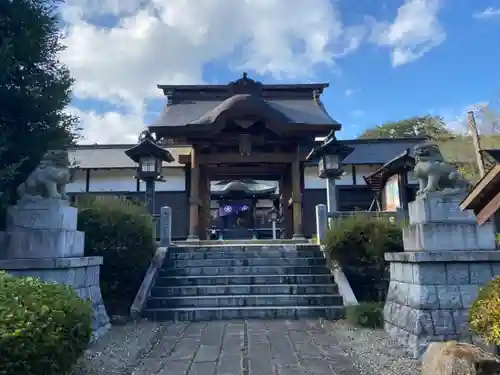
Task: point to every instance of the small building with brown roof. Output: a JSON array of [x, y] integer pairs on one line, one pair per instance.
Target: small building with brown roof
[[484, 198]]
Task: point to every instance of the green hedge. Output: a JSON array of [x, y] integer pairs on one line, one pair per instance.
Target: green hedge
[[122, 233], [484, 314], [44, 328], [358, 243], [366, 314]]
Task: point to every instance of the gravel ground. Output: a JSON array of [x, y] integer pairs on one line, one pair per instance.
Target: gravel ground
[[374, 352], [249, 347]]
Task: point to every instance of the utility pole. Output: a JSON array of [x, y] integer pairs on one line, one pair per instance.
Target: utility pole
[[471, 122]]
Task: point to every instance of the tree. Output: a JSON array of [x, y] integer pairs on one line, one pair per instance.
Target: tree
[[35, 89], [456, 147], [418, 126]]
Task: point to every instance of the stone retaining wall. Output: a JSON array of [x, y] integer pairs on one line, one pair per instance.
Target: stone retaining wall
[[80, 273], [430, 294]]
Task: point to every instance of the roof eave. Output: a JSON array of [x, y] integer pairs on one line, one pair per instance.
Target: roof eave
[[473, 200], [147, 147]]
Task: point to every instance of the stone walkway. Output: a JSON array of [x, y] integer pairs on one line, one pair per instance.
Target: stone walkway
[[280, 347]]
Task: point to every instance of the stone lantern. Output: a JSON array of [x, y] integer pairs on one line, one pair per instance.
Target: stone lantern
[[149, 156], [330, 155]]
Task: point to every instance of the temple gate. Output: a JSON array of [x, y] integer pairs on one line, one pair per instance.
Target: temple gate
[[244, 131]]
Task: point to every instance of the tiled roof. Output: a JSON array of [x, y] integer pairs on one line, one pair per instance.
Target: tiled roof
[[493, 153], [366, 151], [113, 156], [302, 111], [378, 151], [250, 187]]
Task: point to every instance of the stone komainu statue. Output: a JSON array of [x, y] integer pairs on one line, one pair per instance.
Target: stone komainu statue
[[49, 179], [434, 173]]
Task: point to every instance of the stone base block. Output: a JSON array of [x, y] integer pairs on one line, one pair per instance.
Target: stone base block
[[42, 214], [41, 243], [430, 294], [436, 207], [448, 236], [80, 273]]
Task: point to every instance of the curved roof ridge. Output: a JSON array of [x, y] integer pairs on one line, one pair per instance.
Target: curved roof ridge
[[247, 102]]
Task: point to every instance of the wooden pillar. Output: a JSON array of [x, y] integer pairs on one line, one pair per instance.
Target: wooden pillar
[[297, 199], [204, 202], [286, 194], [194, 199]]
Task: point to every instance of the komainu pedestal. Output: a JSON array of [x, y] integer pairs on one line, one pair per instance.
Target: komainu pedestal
[[41, 241], [42, 228], [41, 238], [436, 223], [447, 258]]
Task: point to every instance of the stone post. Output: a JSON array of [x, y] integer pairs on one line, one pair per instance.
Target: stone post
[[331, 193], [165, 226], [447, 258], [321, 221]]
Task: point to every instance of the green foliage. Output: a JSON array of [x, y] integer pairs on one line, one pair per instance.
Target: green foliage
[[357, 243], [122, 233], [366, 314], [457, 148], [420, 126], [34, 89], [44, 328], [484, 314]]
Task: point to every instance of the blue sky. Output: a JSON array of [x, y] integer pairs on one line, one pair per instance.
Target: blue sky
[[384, 60]]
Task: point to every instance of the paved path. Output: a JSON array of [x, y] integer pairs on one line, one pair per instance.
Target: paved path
[[280, 347]]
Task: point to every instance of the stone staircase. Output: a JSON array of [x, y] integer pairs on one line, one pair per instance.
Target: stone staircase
[[200, 283]]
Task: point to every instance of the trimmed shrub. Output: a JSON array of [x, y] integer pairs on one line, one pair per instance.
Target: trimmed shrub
[[366, 314], [357, 244], [484, 314], [122, 233], [44, 328]]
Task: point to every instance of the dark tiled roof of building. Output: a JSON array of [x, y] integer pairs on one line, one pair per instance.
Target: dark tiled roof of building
[[378, 151], [493, 154], [298, 103], [249, 187], [301, 111]]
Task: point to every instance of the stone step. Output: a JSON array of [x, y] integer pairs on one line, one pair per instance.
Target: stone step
[[242, 248], [245, 300], [226, 313], [236, 279], [198, 254], [213, 290], [245, 262], [257, 270]]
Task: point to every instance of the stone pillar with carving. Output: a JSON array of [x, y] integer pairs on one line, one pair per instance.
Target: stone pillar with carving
[[447, 258], [41, 237]]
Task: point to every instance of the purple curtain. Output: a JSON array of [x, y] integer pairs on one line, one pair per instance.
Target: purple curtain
[[232, 209]]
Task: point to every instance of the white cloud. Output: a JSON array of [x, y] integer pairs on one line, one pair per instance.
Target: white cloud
[[487, 13], [348, 92], [414, 32], [109, 127], [147, 42], [119, 50], [357, 113], [486, 114]]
